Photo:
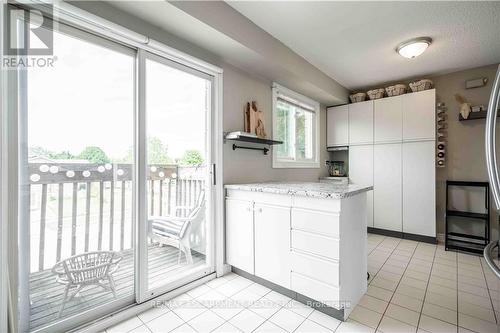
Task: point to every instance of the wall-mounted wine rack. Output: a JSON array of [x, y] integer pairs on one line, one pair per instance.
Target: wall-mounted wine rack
[[442, 133]]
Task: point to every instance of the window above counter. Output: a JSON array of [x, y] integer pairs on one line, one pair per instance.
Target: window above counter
[[296, 124]]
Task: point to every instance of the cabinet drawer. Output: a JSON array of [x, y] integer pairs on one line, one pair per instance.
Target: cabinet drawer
[[316, 244], [316, 268], [313, 221], [315, 289], [317, 204]]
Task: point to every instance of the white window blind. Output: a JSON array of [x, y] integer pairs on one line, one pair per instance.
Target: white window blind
[[295, 122]]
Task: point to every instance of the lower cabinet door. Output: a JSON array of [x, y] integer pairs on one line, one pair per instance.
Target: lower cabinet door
[[387, 196], [361, 173], [272, 243], [419, 188], [239, 234]]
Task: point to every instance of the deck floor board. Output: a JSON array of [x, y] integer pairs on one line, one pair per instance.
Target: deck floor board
[[47, 295]]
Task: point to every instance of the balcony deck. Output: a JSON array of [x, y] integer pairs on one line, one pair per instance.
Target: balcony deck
[[47, 294]]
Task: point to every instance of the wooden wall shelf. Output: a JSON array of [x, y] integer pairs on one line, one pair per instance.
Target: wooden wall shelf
[[256, 140], [248, 139], [475, 116]]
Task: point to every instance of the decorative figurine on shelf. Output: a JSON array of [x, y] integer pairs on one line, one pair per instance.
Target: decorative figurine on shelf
[[254, 120], [465, 108]]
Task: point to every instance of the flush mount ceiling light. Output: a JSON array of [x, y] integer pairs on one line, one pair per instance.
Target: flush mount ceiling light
[[414, 47]]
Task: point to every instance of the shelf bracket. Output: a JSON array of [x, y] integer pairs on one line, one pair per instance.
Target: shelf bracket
[[265, 150]]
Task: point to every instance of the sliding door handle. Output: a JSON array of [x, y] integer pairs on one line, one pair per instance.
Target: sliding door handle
[[488, 257], [490, 138], [214, 176]]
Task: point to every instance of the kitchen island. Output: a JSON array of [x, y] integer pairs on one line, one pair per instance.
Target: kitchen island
[[304, 240]]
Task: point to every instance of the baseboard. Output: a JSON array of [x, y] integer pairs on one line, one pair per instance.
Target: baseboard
[[225, 269], [403, 235], [384, 232], [332, 312], [440, 238], [420, 238]]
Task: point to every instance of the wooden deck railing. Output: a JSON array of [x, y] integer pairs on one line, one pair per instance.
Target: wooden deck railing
[[77, 208]]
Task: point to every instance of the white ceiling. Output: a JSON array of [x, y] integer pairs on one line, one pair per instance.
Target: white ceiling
[[211, 27], [354, 42]]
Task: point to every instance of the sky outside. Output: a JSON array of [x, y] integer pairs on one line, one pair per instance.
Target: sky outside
[[87, 99]]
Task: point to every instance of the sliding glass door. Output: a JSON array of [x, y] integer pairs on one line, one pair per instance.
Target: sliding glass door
[[177, 107], [115, 189], [76, 135]]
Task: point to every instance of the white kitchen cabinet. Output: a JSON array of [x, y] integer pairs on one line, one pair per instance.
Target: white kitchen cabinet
[[388, 119], [400, 164], [419, 188], [361, 173], [361, 123], [305, 243], [387, 196], [337, 126], [239, 234], [419, 114], [272, 243], [317, 268]]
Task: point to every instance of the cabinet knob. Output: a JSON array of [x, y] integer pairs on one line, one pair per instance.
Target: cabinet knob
[[260, 210], [249, 209]]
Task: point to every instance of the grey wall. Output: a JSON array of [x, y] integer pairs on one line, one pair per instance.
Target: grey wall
[[239, 88], [253, 166], [465, 151]]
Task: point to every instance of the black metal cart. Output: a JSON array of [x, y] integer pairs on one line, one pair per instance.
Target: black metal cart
[[468, 242]]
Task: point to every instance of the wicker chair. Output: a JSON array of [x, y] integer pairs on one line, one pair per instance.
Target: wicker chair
[[87, 269], [175, 230]]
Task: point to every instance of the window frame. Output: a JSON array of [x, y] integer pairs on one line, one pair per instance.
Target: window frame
[[287, 162]]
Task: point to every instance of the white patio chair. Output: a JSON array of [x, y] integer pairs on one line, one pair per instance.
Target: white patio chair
[[175, 231], [87, 269]]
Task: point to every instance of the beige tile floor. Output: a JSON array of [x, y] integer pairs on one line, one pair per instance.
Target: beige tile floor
[[414, 287]]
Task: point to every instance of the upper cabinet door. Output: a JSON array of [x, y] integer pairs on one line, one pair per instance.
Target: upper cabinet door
[[361, 165], [337, 126], [388, 120], [419, 114], [361, 123]]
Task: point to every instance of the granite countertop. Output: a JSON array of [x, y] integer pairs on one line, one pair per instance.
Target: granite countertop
[[306, 189]]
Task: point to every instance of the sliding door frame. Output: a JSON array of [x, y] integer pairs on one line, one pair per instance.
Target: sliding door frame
[[10, 175], [143, 292], [8, 187], [3, 184], [19, 203]]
